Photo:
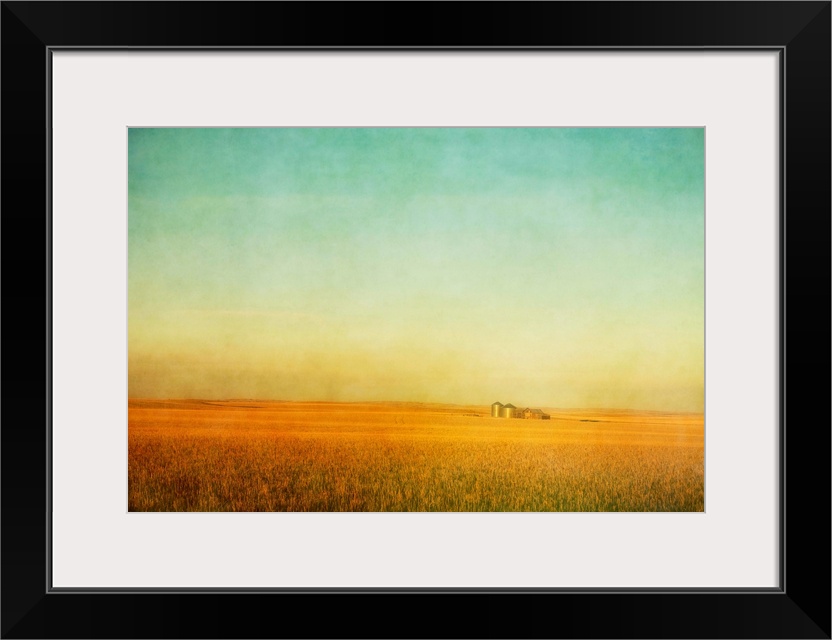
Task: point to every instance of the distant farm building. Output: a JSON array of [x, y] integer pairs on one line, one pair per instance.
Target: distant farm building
[[499, 410]]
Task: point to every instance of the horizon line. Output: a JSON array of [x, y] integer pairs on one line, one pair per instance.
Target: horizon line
[[452, 404]]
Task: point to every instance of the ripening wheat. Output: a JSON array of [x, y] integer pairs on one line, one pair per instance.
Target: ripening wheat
[[260, 456]]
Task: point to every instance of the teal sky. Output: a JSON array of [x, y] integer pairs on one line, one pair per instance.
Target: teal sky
[[543, 267]]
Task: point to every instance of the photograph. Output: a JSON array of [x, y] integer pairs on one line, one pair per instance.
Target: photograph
[[416, 319]]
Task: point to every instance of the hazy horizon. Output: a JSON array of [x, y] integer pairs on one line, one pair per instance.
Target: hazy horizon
[[554, 267], [487, 407]]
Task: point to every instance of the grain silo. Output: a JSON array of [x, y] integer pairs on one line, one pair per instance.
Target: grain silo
[[495, 409], [508, 411]]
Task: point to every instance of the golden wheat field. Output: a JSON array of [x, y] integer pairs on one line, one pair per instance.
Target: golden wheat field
[[190, 455]]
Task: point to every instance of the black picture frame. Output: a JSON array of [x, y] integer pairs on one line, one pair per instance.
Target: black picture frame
[[799, 608]]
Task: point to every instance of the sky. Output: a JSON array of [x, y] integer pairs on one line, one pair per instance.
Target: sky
[[548, 267]]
